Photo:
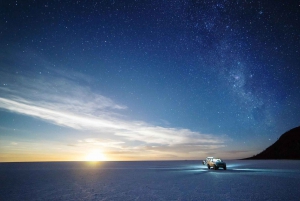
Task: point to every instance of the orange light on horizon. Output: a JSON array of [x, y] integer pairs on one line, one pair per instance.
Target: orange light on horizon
[[95, 155]]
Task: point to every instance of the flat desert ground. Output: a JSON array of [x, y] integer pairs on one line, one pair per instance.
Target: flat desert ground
[[151, 180]]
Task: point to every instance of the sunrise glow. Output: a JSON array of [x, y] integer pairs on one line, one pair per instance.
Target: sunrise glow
[[95, 155]]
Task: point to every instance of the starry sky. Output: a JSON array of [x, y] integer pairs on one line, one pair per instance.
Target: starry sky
[[147, 80]]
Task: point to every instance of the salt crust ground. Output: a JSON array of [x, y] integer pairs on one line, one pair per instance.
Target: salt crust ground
[[168, 180]]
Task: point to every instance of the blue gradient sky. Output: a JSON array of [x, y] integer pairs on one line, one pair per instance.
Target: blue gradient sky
[[146, 80]]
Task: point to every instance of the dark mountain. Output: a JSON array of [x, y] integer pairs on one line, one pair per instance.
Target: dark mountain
[[286, 147]]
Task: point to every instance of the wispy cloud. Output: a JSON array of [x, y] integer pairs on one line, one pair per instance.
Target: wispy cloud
[[62, 101]]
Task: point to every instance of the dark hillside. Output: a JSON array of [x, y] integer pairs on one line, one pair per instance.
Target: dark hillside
[[286, 147]]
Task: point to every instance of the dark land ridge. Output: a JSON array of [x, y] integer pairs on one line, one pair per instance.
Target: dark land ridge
[[286, 147]]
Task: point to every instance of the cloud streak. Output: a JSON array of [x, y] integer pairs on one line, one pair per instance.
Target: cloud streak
[[63, 102]]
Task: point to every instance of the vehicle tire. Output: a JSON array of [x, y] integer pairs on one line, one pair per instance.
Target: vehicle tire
[[215, 167], [208, 166], [225, 168]]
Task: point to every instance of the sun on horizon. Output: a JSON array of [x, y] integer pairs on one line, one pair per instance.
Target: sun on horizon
[[95, 155]]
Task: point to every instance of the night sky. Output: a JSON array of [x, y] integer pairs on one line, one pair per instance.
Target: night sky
[[146, 80]]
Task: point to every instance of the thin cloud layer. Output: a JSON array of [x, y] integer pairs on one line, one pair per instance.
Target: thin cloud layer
[[63, 102]]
